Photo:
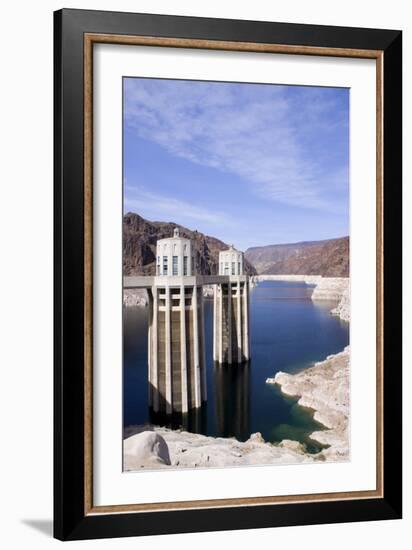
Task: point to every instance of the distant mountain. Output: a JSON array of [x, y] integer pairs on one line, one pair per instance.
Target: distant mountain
[[329, 258], [139, 246]]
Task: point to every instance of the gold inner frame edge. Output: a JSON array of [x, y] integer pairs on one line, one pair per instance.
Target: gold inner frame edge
[[89, 40]]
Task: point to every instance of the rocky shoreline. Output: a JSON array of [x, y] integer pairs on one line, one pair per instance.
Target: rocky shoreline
[[325, 389]]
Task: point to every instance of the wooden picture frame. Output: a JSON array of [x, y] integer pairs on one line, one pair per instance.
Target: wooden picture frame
[[76, 33]]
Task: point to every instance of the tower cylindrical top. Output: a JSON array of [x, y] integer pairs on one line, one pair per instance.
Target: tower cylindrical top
[[175, 256], [231, 262]]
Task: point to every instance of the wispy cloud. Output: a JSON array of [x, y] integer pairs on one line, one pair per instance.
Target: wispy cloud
[[265, 138], [152, 205]]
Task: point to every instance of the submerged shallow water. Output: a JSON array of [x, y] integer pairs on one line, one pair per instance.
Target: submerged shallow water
[[288, 331]]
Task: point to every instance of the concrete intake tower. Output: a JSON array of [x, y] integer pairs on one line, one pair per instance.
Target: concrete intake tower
[[231, 310], [176, 351], [176, 341]]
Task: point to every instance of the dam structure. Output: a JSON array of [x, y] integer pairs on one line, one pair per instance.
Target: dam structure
[[176, 341]]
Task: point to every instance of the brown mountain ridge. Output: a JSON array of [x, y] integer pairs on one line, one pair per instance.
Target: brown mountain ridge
[[139, 246], [329, 258]]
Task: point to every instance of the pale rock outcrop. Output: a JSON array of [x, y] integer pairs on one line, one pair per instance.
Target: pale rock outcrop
[[146, 449], [342, 310], [324, 388], [133, 297], [208, 291], [328, 288]]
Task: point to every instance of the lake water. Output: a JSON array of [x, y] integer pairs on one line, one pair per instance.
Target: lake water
[[288, 331]]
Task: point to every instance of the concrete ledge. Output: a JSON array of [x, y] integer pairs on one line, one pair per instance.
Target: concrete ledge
[[143, 281]]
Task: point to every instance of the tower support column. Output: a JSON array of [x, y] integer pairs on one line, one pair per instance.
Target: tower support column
[[246, 345], [202, 341], [220, 335], [239, 322], [196, 356], [229, 323], [168, 353], [154, 363], [215, 323], [149, 348], [185, 405]]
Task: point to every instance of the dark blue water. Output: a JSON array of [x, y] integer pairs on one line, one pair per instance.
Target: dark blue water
[[289, 332]]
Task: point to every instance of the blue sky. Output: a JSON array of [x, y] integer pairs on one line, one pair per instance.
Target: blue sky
[[251, 164]]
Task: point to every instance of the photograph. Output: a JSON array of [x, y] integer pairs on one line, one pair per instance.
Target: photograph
[[236, 274]]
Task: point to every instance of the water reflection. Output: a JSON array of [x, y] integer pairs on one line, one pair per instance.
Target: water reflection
[[195, 421], [232, 404]]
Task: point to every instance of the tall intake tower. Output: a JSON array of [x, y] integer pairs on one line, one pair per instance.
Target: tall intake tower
[[231, 310], [176, 350]]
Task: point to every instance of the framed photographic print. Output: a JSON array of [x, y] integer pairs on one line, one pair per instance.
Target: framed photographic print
[[227, 274]]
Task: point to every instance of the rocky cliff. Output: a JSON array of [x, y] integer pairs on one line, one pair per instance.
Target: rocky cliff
[[328, 258], [139, 246]]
